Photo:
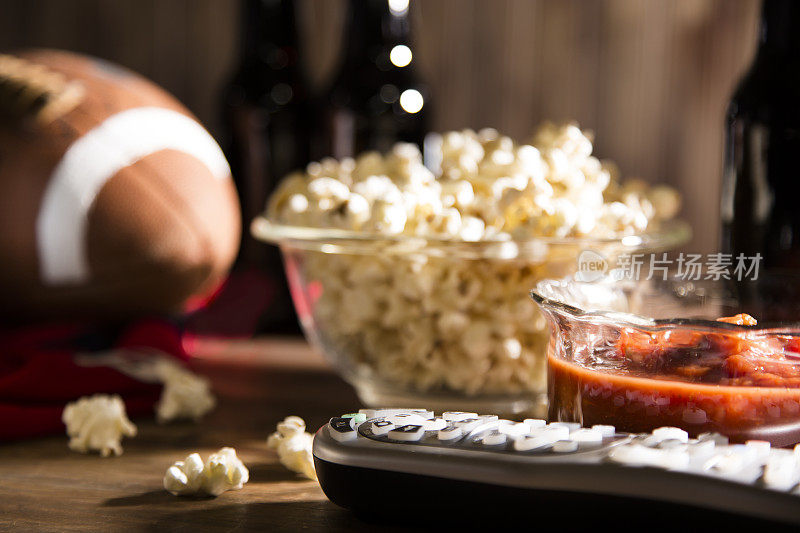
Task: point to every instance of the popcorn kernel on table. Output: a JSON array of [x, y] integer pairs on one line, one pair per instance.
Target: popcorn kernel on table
[[293, 445], [97, 423], [222, 471]]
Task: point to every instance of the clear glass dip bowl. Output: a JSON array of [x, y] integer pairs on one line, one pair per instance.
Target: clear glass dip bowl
[[443, 324], [641, 355]]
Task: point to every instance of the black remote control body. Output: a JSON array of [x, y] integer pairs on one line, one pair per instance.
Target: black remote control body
[[408, 460]]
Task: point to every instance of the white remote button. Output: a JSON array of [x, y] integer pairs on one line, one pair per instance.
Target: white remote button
[[450, 432], [781, 471], [407, 433], [571, 426], [725, 464], [673, 444], [650, 441], [341, 429], [534, 423], [565, 446], [605, 430], [716, 438], [640, 455], [541, 437], [669, 432], [586, 436], [380, 413], [424, 413], [474, 424], [704, 448], [493, 438], [434, 424], [458, 416], [381, 427], [513, 429], [554, 432], [528, 443], [402, 419], [761, 449]]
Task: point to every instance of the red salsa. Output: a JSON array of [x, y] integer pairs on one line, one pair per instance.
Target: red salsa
[[744, 385]]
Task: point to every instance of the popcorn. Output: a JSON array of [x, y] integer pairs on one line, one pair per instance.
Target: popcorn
[[293, 445], [433, 322], [221, 472], [97, 423], [185, 394]]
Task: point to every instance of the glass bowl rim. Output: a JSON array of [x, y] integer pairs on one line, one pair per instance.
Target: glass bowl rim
[[667, 234], [623, 319]]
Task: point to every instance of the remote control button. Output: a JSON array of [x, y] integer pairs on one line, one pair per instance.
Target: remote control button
[[530, 443], [380, 413], [586, 437], [724, 464], [716, 438], [381, 427], [434, 424], [703, 449], [341, 429], [606, 431], [450, 432], [565, 446], [470, 424], [761, 449], [370, 414], [673, 444], [407, 433], [667, 432], [571, 426], [402, 419], [781, 472], [640, 455], [424, 413], [458, 416], [513, 429], [553, 432], [493, 438], [731, 461], [534, 423], [357, 418]]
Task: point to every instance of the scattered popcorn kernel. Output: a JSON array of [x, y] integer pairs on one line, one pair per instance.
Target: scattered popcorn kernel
[[97, 423], [185, 477], [221, 472], [185, 394], [293, 445]]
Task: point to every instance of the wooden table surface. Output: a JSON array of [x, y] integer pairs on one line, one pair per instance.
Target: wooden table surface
[[46, 487]]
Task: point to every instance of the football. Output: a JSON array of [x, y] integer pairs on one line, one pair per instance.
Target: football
[[114, 200]]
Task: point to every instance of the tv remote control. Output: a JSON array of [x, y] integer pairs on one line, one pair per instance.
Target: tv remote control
[[401, 460]]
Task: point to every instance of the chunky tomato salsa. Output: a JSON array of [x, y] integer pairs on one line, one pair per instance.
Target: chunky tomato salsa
[[745, 385]]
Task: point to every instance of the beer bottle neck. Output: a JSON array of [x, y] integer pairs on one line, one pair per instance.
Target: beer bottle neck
[[270, 35]]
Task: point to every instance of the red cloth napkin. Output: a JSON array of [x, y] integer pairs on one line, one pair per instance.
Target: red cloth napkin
[[44, 367]]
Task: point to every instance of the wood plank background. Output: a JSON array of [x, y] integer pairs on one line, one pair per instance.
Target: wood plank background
[[650, 77]]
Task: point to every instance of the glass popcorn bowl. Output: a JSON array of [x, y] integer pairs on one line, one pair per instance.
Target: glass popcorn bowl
[[440, 323], [644, 354]]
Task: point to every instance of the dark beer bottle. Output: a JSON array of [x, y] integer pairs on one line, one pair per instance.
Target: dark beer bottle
[[268, 121], [760, 184], [376, 98]]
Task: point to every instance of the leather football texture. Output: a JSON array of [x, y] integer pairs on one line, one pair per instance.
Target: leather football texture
[[114, 200]]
